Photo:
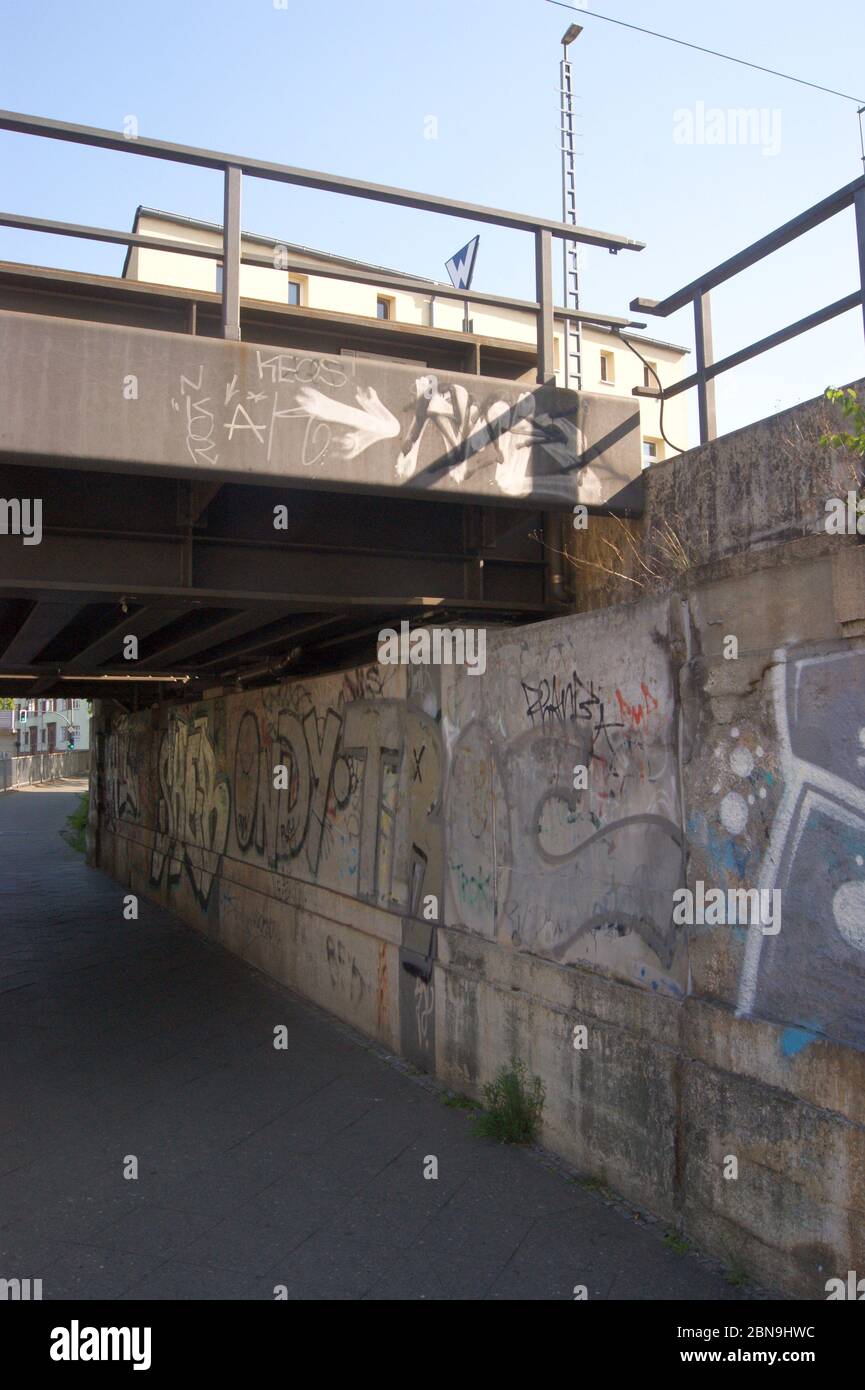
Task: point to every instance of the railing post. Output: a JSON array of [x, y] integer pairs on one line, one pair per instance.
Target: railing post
[[231, 254], [859, 203], [544, 296], [705, 388]]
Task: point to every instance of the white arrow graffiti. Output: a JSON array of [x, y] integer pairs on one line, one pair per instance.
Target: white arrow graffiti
[[367, 423]]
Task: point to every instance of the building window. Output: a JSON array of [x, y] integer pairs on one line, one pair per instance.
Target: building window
[[648, 378], [608, 368], [219, 279], [652, 451], [383, 307], [295, 296]]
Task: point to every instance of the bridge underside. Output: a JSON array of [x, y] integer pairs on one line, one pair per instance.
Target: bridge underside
[[199, 574], [246, 508]]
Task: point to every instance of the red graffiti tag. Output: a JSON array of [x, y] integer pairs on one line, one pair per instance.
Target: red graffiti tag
[[637, 714]]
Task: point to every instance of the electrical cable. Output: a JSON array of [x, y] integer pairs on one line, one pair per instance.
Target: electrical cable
[[729, 58], [649, 368], [713, 52]]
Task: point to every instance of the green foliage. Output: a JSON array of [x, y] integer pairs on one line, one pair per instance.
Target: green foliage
[[455, 1100], [675, 1241], [513, 1107], [77, 823], [853, 410]]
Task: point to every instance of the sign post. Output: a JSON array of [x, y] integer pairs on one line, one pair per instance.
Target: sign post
[[461, 269]]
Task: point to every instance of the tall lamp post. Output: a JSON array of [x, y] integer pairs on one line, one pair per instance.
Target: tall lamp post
[[573, 336]]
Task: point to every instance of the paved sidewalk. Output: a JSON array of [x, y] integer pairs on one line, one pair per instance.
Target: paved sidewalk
[[256, 1167]]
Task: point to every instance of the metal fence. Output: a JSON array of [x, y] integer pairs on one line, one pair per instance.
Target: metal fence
[[43, 767], [233, 169], [697, 294], [543, 230]]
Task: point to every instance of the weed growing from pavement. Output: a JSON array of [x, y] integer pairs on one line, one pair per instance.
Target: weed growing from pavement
[[76, 825], [675, 1241], [513, 1107]]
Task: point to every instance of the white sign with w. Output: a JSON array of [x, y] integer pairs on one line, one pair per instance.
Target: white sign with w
[[461, 267]]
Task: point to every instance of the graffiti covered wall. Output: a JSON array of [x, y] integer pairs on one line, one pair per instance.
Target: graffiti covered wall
[[539, 807], [467, 867], [564, 820], [224, 811]]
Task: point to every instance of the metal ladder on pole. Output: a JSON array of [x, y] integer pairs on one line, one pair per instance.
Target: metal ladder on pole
[[573, 336]]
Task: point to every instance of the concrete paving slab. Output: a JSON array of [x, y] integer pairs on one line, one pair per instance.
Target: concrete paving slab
[[256, 1167]]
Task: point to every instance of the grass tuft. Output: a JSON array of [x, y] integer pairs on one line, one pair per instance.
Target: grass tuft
[[513, 1107], [675, 1241], [76, 831]]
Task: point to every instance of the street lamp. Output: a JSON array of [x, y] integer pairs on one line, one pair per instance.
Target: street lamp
[[570, 34]]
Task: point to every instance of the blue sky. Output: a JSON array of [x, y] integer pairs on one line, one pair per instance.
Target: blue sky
[[349, 86]]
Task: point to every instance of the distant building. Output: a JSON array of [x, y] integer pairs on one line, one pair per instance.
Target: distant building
[[49, 726], [8, 743], [608, 365]]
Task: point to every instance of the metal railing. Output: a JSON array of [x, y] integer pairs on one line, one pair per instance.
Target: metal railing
[[30, 768], [234, 167], [698, 294]]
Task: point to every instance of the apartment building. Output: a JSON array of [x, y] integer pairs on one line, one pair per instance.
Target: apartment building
[[610, 363], [46, 726]]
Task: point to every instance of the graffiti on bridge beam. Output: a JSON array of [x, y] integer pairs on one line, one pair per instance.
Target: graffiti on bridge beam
[[509, 436], [509, 429]]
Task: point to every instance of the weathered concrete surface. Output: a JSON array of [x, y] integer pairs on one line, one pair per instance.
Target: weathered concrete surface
[[136, 400], [537, 862], [758, 488], [436, 874], [755, 497], [258, 1167]]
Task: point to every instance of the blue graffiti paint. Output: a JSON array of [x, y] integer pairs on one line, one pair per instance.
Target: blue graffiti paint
[[697, 828], [795, 1040], [726, 856]]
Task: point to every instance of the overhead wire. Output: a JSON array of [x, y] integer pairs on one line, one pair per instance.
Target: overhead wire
[[712, 52]]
